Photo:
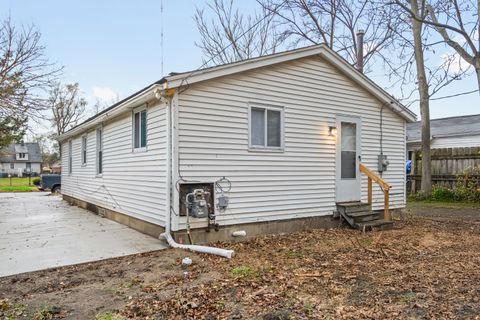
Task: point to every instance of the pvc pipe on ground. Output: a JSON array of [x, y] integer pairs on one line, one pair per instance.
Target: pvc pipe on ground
[[203, 249]]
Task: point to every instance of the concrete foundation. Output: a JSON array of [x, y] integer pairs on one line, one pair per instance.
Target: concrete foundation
[[225, 233]]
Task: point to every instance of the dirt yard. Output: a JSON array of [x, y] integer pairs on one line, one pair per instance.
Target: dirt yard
[[426, 268]]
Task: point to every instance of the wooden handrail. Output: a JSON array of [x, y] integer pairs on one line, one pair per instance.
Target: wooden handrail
[[383, 185]]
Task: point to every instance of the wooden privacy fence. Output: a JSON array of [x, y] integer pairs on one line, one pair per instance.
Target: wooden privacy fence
[[447, 164]]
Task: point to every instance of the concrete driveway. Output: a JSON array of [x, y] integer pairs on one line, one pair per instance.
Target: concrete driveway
[[40, 231]]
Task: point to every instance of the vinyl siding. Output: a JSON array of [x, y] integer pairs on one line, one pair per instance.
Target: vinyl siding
[[455, 142], [5, 167], [461, 141], [133, 183], [213, 140]]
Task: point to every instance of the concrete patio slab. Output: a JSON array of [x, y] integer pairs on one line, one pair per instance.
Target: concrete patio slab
[[40, 231]]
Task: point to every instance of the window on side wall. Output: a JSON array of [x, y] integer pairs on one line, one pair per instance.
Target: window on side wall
[[266, 128], [140, 128], [99, 151], [70, 160], [84, 150]]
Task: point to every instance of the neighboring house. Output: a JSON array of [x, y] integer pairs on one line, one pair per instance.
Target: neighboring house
[[287, 130], [19, 159], [452, 132], [455, 147]]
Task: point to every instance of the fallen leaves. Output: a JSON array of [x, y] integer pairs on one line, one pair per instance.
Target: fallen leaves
[[428, 268]]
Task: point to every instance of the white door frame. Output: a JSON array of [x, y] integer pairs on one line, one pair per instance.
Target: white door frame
[[347, 190]]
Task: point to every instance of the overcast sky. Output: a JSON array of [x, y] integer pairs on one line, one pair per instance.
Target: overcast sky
[[113, 48]]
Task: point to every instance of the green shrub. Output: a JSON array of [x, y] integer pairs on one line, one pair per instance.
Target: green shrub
[[467, 189], [418, 196], [443, 194], [36, 181], [468, 185]]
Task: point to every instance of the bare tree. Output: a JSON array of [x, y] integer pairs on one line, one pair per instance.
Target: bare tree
[[414, 46], [66, 105], [335, 23], [457, 25], [417, 27], [231, 36], [25, 72]]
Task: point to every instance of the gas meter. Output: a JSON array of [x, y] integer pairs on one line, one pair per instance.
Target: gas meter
[[197, 203]]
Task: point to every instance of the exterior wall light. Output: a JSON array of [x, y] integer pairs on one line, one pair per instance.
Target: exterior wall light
[[332, 131]]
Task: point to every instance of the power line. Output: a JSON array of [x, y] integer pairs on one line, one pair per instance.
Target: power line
[[445, 97], [455, 95]]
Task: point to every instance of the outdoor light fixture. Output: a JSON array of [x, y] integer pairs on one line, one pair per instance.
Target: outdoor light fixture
[[332, 131]]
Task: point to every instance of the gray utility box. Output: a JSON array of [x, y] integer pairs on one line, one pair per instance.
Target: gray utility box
[[382, 163], [222, 202]]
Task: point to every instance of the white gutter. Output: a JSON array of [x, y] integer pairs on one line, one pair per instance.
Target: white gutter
[[141, 98], [167, 234]]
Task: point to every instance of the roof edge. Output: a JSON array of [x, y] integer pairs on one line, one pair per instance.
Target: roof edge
[[323, 50], [133, 100]]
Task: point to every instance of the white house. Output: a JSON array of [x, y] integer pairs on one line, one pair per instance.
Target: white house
[[20, 158], [451, 132], [287, 131]]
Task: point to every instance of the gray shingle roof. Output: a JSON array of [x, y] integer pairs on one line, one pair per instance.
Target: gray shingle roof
[[453, 126], [8, 154]]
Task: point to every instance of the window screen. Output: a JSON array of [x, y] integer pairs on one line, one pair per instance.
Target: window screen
[[266, 128], [348, 150], [274, 129], [99, 151], [258, 127], [143, 129], [84, 150], [70, 156], [140, 129], [137, 129]]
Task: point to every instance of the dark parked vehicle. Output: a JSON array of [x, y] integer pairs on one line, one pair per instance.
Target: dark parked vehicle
[[50, 182]]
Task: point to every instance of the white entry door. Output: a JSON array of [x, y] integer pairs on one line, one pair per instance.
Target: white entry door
[[348, 180]]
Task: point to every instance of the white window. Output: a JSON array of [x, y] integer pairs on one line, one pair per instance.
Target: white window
[[99, 151], [12, 165], [21, 155], [70, 157], [266, 127], [84, 150], [140, 128]]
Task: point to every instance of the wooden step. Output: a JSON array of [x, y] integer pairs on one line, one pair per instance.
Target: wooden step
[[379, 224], [351, 207], [359, 215], [364, 216]]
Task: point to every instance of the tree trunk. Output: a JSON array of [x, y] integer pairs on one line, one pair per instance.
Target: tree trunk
[[417, 27], [477, 71]]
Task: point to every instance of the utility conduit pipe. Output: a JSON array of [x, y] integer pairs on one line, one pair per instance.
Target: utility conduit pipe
[[196, 248], [167, 234]]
